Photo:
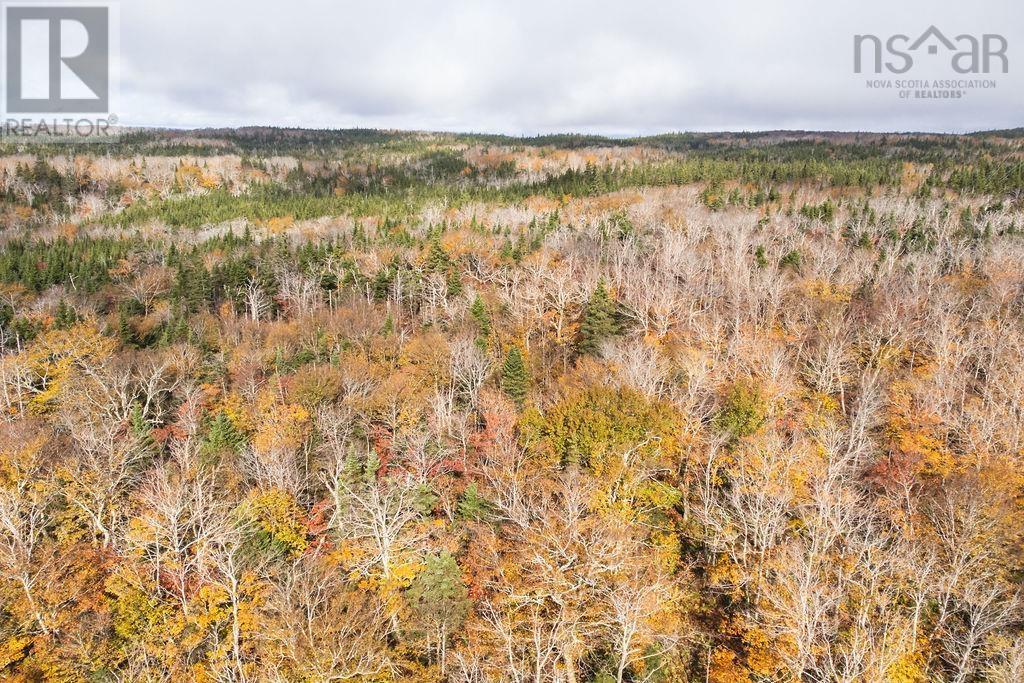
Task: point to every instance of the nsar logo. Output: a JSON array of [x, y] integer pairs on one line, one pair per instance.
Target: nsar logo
[[969, 54]]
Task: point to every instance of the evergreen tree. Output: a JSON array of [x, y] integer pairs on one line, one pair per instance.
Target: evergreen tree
[[141, 433], [65, 316], [454, 283], [599, 321], [478, 311], [760, 259], [474, 506], [221, 437], [439, 601], [192, 286], [125, 330], [139, 426], [381, 284], [514, 377], [437, 257], [174, 330]]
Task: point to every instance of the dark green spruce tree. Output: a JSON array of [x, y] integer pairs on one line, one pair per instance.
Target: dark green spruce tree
[[514, 377], [478, 311], [439, 602], [600, 321]]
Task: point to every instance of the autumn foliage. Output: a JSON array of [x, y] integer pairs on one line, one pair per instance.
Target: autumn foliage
[[442, 408]]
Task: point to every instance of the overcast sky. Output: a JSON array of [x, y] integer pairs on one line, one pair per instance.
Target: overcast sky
[[538, 66]]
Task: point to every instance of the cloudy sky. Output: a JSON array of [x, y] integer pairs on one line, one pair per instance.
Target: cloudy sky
[[537, 66]]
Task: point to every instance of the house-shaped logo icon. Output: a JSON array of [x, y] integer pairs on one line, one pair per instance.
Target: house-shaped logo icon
[[932, 34]]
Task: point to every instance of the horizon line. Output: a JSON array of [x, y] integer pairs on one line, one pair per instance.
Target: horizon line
[[583, 133]]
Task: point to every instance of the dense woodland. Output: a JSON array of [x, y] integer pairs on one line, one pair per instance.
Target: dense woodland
[[301, 406]]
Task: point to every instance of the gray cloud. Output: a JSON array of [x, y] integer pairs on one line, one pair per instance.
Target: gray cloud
[[534, 67]]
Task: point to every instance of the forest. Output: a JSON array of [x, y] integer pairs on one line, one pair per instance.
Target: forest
[[366, 406]]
